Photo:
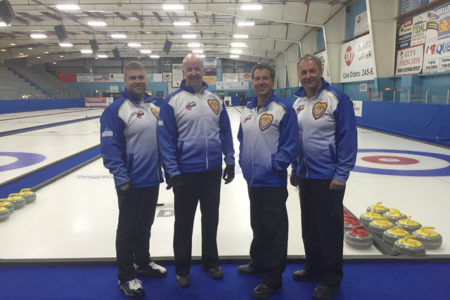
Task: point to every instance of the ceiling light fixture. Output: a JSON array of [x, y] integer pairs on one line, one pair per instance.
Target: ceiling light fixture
[[86, 51], [97, 23], [66, 45], [251, 6], [198, 51], [154, 56], [134, 45], [236, 51], [240, 36], [102, 56], [189, 36], [193, 45], [38, 36], [246, 23], [184, 23], [3, 24], [173, 7], [118, 36], [238, 45], [234, 56], [146, 51], [67, 7]]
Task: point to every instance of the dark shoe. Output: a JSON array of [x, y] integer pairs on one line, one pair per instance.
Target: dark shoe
[[183, 281], [152, 270], [303, 275], [214, 272], [325, 292], [132, 288], [263, 291], [246, 270]]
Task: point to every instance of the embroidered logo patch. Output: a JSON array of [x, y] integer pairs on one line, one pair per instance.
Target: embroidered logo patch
[[139, 114], [265, 121], [319, 109], [247, 118], [214, 105], [300, 108], [190, 105], [155, 112]]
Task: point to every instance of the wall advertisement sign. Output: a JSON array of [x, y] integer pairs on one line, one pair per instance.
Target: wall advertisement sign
[[357, 60], [409, 60], [326, 70], [177, 75]]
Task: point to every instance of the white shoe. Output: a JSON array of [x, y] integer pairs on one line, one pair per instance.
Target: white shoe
[[132, 288], [152, 270]]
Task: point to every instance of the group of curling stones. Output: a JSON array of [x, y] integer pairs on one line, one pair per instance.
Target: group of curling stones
[[404, 235], [15, 201]]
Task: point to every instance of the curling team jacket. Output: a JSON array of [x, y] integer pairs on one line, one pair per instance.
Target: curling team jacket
[[194, 130], [327, 134], [129, 143], [269, 142]]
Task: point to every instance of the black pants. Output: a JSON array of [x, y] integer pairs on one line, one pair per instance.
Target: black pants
[[136, 215], [322, 230], [195, 187], [269, 221]]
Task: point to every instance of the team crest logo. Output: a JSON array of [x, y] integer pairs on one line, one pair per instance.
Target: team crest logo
[[190, 105], [265, 121], [214, 105], [247, 118], [155, 112], [319, 109], [300, 108], [139, 114]]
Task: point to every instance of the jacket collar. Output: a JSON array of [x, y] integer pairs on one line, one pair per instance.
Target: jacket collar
[[127, 95], [302, 93], [191, 89], [254, 101]]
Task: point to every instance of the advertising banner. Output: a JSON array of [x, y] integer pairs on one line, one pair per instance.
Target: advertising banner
[[357, 60], [404, 34], [116, 77], [101, 77], [230, 77], [437, 56], [245, 76], [177, 75], [419, 28], [210, 79], [361, 24], [409, 60], [85, 77], [326, 70]]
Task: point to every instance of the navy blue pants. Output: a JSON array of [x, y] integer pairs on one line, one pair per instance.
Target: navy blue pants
[[136, 215], [203, 187], [322, 230]]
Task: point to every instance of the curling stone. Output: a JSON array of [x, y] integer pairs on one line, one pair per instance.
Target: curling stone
[[18, 201], [350, 223], [409, 246], [4, 213], [430, 238], [358, 238], [378, 208], [379, 226], [347, 214], [393, 234], [408, 224], [394, 215], [28, 194], [368, 217], [7, 205]]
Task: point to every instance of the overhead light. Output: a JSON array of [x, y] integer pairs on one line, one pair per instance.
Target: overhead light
[[236, 51], [234, 56], [184, 23], [46, 52], [240, 36], [54, 62], [66, 45], [189, 36], [30, 48], [238, 45], [134, 45], [12, 44], [38, 36], [173, 7], [154, 56], [3, 50], [62, 56], [251, 6], [193, 45], [97, 23], [118, 36], [38, 57], [67, 7], [146, 51], [3, 24], [199, 51], [246, 23], [86, 51], [102, 56]]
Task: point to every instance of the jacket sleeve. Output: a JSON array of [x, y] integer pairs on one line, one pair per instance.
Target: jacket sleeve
[[167, 138], [226, 137], [113, 145], [240, 137], [288, 145], [346, 138]]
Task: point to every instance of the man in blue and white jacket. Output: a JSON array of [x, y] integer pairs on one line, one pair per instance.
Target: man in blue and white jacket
[[268, 136], [194, 131], [327, 155], [130, 151]]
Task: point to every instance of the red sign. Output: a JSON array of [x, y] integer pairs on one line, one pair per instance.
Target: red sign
[[348, 56]]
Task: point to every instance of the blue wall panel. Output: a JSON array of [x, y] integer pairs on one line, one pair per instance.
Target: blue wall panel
[[12, 106]]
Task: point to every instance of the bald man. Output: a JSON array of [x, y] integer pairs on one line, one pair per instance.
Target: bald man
[[194, 131]]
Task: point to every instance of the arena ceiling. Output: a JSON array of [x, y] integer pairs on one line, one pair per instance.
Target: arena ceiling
[[277, 26]]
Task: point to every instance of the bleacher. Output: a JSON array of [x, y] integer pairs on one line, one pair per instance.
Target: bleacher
[[14, 87]]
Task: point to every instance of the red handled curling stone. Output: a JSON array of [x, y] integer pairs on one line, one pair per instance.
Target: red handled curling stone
[[350, 223], [358, 238]]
